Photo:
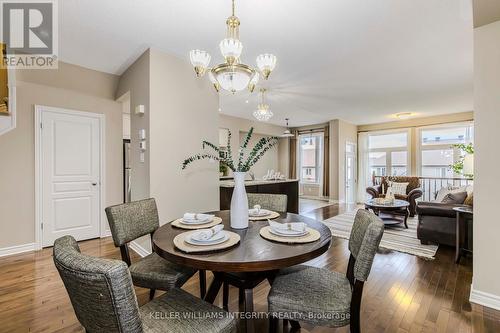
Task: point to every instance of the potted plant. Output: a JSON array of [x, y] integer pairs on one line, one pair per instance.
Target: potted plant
[[458, 166], [246, 159]]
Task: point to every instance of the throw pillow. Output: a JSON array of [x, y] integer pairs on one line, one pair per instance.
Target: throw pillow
[[469, 200], [398, 188], [452, 189], [455, 198]]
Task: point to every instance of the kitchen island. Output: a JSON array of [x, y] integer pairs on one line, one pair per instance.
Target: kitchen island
[[290, 187]]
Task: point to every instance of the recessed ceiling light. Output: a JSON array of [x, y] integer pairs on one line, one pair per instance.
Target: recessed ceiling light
[[220, 109], [404, 115], [246, 101]]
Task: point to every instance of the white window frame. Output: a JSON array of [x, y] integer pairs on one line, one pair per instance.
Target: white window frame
[[389, 151], [420, 147], [319, 159]]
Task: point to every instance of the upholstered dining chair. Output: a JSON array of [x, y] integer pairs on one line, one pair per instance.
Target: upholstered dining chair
[[132, 220], [104, 299], [323, 297], [274, 202]]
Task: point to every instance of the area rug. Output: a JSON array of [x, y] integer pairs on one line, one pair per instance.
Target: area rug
[[396, 238]]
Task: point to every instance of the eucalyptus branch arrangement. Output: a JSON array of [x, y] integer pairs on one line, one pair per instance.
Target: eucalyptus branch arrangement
[[244, 161], [458, 166]]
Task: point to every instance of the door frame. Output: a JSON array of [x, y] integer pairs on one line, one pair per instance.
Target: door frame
[[39, 110]]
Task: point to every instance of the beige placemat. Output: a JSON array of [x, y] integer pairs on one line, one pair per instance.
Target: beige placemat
[[312, 236], [271, 216], [179, 242], [178, 224]]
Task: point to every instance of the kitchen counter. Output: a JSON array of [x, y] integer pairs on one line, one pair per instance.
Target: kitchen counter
[[289, 187], [230, 183]]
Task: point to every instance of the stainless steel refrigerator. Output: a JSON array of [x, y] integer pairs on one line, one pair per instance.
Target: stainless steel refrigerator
[[127, 174]]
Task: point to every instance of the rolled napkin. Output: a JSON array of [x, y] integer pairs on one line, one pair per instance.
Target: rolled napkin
[[295, 226], [196, 217], [206, 234]]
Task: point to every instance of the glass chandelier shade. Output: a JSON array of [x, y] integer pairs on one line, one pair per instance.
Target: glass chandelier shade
[[199, 60], [231, 50], [232, 75], [266, 63], [263, 113]]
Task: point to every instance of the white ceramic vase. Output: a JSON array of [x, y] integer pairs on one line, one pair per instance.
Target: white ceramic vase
[[239, 202]]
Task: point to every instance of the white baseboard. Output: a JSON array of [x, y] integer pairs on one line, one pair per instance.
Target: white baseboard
[[139, 249], [106, 233], [484, 299], [7, 251]]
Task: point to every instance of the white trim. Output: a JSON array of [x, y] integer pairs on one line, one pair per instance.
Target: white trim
[[139, 249], [39, 109], [8, 251], [484, 298]]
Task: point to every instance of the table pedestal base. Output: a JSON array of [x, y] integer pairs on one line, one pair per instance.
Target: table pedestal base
[[245, 282]]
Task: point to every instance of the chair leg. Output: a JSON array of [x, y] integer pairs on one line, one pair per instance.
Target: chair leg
[[273, 324], [295, 325], [203, 283], [152, 294], [225, 296]]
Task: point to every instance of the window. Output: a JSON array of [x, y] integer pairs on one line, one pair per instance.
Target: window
[[388, 153], [436, 148], [311, 157]]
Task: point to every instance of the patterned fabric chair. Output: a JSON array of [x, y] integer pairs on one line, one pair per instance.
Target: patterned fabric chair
[[413, 191], [300, 291], [104, 299], [132, 220], [275, 202]]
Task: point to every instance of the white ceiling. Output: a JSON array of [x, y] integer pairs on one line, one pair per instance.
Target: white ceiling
[[357, 60]]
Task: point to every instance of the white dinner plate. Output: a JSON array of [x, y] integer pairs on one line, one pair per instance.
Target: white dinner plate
[[196, 222], [263, 212], [288, 233], [224, 238]]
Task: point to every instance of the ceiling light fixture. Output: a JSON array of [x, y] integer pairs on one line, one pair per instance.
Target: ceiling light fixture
[[232, 75], [287, 133], [404, 115], [263, 113]]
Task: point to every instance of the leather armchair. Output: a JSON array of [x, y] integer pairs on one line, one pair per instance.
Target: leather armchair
[[413, 192]]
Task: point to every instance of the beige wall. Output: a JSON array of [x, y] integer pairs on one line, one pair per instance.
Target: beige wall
[[277, 158], [487, 160], [184, 112], [181, 111], [135, 82], [270, 161], [71, 87]]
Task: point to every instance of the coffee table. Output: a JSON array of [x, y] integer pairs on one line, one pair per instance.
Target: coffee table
[[399, 208]]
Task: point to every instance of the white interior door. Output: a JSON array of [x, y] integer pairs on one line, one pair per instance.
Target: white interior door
[[350, 172], [70, 175]]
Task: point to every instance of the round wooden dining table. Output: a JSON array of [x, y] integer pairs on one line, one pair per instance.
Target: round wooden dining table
[[248, 263]]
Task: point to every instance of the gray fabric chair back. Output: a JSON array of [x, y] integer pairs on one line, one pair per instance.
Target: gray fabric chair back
[[365, 238], [100, 290], [132, 220], [274, 202]]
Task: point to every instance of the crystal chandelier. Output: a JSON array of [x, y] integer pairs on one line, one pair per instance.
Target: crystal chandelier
[[232, 75], [263, 113]]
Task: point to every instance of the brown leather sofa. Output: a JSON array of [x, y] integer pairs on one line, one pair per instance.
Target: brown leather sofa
[[437, 222], [413, 191]]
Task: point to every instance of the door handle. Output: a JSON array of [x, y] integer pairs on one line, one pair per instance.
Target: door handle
[[94, 184]]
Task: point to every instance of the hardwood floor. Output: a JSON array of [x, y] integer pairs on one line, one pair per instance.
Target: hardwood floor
[[403, 293]]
